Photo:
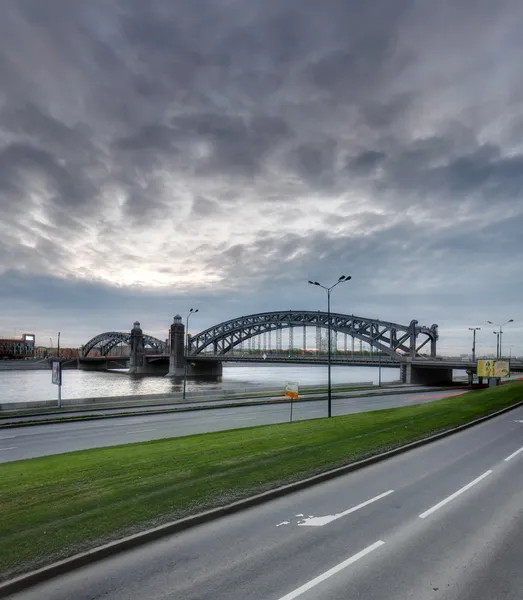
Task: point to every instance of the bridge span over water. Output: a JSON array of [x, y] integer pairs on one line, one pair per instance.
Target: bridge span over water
[[285, 337], [299, 337]]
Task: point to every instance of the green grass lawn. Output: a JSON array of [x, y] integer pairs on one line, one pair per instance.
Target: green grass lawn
[[53, 507]]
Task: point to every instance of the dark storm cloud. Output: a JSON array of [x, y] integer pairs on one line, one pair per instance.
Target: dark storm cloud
[[335, 134]]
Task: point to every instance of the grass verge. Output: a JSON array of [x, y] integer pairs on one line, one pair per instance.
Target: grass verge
[[53, 507]]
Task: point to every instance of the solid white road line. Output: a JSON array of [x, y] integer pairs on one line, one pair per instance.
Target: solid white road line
[[321, 521], [513, 454], [8, 437], [314, 582], [454, 495], [138, 431], [10, 448]]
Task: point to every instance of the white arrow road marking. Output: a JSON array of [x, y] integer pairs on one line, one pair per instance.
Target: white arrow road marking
[[321, 521]]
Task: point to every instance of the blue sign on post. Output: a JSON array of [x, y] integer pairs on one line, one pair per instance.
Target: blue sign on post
[[57, 373], [57, 379]]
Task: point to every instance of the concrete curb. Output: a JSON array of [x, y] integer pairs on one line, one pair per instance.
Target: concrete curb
[[70, 418], [79, 560]]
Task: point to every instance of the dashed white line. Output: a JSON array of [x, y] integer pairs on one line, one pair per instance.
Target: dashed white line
[[10, 448], [513, 454], [454, 495], [138, 431], [8, 437], [343, 565], [321, 521]]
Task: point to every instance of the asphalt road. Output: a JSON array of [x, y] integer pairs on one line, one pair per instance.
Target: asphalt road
[[442, 522], [41, 440]]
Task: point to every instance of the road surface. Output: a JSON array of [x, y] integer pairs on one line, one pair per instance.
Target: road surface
[[442, 522], [42, 440]]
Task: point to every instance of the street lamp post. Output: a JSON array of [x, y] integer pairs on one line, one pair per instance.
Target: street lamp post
[[500, 355], [328, 289], [474, 329], [496, 333], [186, 349]]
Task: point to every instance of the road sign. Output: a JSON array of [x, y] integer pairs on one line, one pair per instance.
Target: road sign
[[57, 373], [291, 390]]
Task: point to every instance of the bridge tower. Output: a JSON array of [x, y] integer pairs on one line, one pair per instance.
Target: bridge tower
[[137, 357], [176, 348]]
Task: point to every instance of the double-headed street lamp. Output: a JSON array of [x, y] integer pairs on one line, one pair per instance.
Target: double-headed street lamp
[[496, 333], [474, 329], [186, 349], [500, 351], [328, 289]]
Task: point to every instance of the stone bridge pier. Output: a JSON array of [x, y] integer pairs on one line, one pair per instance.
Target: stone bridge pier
[[195, 368], [137, 362]]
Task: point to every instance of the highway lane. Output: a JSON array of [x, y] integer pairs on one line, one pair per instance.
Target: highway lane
[[444, 521], [42, 440]]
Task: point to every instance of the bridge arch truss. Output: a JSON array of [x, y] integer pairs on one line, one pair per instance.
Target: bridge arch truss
[[106, 341], [398, 341]]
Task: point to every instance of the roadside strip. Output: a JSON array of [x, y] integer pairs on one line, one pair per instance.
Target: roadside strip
[[112, 548], [186, 407]]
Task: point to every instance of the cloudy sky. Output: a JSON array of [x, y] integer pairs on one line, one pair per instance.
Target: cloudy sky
[[162, 155]]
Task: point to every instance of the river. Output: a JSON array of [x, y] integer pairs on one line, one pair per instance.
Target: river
[[26, 386]]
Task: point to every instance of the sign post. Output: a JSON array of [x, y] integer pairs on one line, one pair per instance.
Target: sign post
[[57, 379], [291, 391]]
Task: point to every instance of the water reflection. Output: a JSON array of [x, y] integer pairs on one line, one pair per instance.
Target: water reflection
[[24, 386]]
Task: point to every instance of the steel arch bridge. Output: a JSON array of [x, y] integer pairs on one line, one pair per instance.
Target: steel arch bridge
[[108, 340], [393, 339]]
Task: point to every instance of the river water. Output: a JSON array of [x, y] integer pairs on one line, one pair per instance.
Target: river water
[[26, 386]]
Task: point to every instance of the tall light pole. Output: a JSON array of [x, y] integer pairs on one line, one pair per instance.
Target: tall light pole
[[496, 333], [186, 349], [328, 289], [474, 329], [501, 334]]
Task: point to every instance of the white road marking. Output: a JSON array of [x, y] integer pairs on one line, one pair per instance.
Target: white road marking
[[283, 523], [513, 454], [321, 521], [138, 431], [10, 448], [343, 565], [454, 495], [8, 437]]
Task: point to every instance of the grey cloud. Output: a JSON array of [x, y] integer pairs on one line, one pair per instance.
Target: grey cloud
[[204, 207], [238, 145], [388, 103], [19, 163], [315, 162], [365, 162]]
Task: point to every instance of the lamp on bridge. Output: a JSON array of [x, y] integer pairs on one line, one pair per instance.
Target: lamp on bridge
[[328, 289], [500, 335], [186, 351]]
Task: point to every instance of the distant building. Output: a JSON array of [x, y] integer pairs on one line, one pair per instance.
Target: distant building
[[44, 352], [18, 348]]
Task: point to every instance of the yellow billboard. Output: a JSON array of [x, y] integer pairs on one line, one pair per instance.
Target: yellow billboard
[[501, 368], [493, 368]]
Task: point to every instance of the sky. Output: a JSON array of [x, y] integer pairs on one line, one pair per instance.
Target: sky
[[217, 154]]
